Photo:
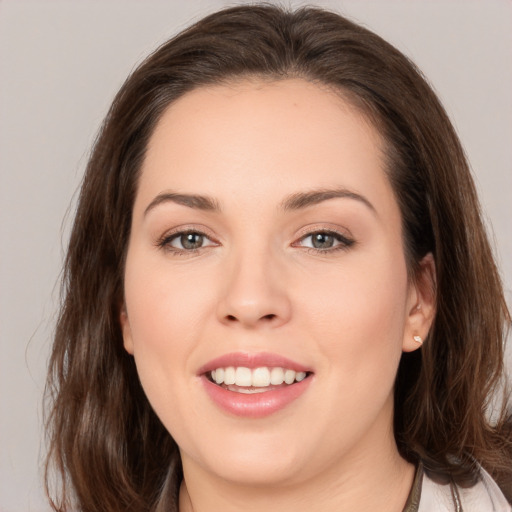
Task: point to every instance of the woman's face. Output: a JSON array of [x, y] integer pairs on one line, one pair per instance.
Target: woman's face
[[266, 244]]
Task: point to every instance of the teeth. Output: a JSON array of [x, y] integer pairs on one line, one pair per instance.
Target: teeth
[[289, 376], [300, 376], [276, 376], [243, 376], [219, 375], [247, 391], [229, 375], [261, 377]]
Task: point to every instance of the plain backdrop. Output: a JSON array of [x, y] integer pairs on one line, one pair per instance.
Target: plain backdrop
[[61, 62]]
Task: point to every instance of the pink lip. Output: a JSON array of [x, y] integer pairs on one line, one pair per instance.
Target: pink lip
[[255, 405], [252, 361]]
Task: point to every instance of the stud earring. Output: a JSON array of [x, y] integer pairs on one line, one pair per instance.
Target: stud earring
[[418, 339]]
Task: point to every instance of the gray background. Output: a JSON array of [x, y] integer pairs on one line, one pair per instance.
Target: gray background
[[61, 63]]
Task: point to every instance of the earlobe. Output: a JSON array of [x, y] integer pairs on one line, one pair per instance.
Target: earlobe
[[126, 330], [421, 306]]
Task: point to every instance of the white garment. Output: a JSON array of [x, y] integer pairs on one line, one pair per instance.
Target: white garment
[[485, 496]]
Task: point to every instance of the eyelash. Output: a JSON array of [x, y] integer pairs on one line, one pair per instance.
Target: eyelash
[[165, 241], [344, 243]]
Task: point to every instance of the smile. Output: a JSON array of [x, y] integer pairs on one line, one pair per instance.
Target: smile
[[258, 380], [254, 385]]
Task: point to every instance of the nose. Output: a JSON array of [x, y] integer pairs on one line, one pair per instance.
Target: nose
[[254, 294]]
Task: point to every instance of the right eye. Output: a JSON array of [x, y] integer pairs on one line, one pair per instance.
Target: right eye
[[186, 241]]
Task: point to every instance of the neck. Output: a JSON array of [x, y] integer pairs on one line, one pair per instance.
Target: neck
[[380, 481]]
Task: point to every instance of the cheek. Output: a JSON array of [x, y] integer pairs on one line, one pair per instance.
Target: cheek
[[360, 300], [164, 307], [165, 312], [357, 319]]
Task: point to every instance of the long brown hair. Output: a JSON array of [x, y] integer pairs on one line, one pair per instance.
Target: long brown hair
[[109, 448]]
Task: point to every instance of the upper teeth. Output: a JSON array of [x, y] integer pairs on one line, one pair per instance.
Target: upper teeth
[[258, 377]]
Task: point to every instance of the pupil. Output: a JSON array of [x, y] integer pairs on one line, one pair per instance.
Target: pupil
[[322, 241], [191, 241]]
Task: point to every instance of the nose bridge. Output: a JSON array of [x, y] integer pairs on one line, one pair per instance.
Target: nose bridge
[[255, 292]]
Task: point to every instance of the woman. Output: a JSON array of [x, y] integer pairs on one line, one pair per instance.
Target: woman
[[278, 291]]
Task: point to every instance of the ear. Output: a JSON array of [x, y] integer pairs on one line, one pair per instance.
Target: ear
[[421, 305], [126, 330]]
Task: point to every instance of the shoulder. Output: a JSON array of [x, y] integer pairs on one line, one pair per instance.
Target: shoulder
[[485, 496]]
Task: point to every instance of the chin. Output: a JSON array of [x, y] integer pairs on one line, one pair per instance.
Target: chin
[[252, 460], [258, 471]]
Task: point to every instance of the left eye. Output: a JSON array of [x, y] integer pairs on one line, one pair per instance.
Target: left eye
[[325, 240], [188, 241]]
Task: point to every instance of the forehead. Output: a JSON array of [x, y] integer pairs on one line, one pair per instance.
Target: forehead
[[263, 138]]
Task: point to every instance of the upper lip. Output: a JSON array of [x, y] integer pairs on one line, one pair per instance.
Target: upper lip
[[252, 360]]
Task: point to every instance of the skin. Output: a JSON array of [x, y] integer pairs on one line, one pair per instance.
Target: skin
[[256, 285]]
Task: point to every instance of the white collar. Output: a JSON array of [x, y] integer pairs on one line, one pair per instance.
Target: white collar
[[484, 496]]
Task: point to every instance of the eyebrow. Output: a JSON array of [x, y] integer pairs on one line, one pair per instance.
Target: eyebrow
[[297, 201], [302, 200], [191, 200]]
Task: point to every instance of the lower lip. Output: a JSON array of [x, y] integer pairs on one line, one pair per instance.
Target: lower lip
[[255, 405]]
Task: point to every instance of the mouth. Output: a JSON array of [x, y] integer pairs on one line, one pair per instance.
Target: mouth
[[254, 385], [263, 379]]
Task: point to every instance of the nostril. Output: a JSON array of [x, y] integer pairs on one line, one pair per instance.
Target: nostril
[[269, 317]]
